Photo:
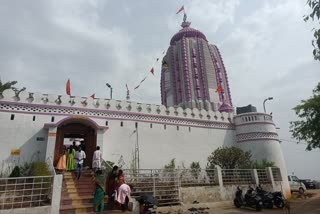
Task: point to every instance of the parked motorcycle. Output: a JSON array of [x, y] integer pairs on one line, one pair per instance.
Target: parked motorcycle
[[270, 198], [250, 199]]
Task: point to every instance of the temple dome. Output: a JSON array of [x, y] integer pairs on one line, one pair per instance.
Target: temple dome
[[187, 31]]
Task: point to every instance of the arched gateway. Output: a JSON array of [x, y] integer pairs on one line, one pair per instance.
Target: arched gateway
[[73, 127]]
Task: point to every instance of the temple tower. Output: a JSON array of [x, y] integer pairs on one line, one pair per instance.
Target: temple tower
[[193, 74]]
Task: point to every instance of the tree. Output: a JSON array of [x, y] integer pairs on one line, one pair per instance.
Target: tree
[[229, 158], [10, 85], [195, 169], [315, 13], [308, 128], [171, 165]]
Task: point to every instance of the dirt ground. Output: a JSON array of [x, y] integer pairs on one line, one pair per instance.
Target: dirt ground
[[307, 204]]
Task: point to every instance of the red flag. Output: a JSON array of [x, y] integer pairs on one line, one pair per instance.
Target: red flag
[[127, 87], [181, 9], [84, 102], [219, 89], [68, 88], [152, 70], [92, 96]]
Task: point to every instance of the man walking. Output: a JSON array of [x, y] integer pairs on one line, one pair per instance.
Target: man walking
[[79, 158], [97, 159]]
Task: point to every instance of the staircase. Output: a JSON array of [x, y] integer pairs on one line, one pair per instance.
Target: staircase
[[77, 195]]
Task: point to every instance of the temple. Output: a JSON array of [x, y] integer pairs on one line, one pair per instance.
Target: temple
[[193, 74]]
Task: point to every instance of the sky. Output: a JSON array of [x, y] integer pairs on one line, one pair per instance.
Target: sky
[[265, 45]]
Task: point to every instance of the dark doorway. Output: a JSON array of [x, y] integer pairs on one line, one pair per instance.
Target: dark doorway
[[76, 130]]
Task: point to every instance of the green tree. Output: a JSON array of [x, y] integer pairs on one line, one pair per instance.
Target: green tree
[[315, 14], [308, 128], [10, 85], [262, 164], [171, 165], [229, 158]]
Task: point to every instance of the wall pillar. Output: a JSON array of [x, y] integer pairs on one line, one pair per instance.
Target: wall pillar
[[100, 133], [270, 176], [52, 135], [218, 177], [56, 194], [255, 176]]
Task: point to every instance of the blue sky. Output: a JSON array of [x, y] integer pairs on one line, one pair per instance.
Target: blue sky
[[265, 44]]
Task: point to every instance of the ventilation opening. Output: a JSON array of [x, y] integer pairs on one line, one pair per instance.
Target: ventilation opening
[[189, 129], [136, 125], [107, 123], [52, 119], [34, 118], [151, 125], [12, 117], [165, 127], [121, 123], [177, 128]]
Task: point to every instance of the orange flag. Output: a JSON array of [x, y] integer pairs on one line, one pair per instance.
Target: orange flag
[[219, 89], [92, 96], [68, 88], [152, 70]]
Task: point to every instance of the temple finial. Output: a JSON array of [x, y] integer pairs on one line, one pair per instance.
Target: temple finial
[[184, 16], [185, 23]]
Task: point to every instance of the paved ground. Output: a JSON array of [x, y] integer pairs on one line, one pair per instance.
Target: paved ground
[[306, 205]]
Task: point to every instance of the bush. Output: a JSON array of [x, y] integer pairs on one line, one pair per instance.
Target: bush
[[15, 172], [39, 169]]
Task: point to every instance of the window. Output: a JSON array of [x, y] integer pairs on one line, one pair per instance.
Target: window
[[107, 123], [52, 119], [136, 125], [151, 125], [177, 128], [12, 117], [189, 129], [34, 118], [295, 178], [165, 127], [121, 123], [289, 179]]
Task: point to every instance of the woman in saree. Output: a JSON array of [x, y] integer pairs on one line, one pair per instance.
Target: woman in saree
[[98, 199], [111, 184], [70, 158], [62, 160]]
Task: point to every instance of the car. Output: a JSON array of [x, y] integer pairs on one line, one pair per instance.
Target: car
[[309, 183], [296, 185]]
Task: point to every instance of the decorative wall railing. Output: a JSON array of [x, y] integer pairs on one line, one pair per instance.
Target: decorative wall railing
[[276, 173], [263, 176], [25, 192], [237, 176]]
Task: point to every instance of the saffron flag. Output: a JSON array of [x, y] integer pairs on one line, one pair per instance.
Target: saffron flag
[[92, 96], [181, 9], [84, 102], [152, 71], [68, 88], [219, 89]]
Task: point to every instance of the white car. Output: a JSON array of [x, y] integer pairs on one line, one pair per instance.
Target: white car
[[296, 185]]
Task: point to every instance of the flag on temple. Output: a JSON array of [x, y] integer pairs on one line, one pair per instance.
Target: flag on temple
[[181, 9], [152, 71], [84, 102], [92, 96], [219, 89], [68, 88]]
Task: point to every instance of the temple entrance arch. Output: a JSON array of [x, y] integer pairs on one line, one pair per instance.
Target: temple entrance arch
[[74, 127]]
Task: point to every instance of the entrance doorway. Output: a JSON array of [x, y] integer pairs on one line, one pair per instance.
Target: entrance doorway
[[77, 129]]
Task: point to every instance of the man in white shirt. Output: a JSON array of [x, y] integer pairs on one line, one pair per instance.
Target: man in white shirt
[[97, 159], [79, 158]]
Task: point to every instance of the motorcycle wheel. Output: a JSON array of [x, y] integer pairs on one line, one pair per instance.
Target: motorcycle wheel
[[236, 203], [279, 203], [258, 207]]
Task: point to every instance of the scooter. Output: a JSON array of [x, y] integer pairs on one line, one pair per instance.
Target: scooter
[[249, 200], [276, 197]]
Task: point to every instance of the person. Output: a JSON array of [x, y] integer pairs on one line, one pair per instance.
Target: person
[[120, 179], [111, 185], [74, 146], [97, 159], [83, 146], [98, 199], [124, 196], [62, 160], [70, 158], [79, 158]]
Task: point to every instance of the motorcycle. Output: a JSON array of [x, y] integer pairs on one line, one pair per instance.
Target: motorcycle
[[267, 197], [249, 200]]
